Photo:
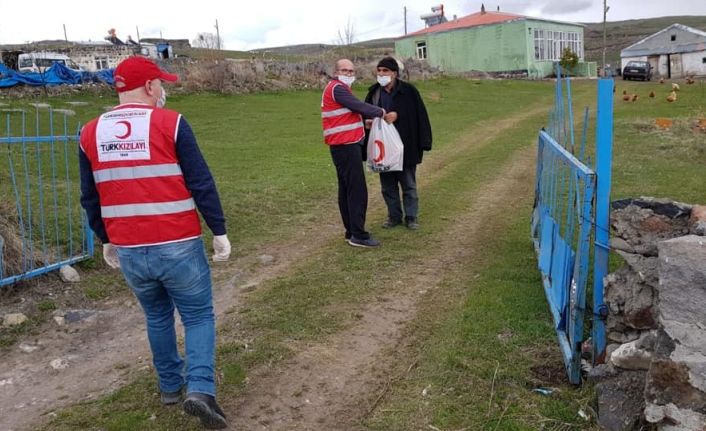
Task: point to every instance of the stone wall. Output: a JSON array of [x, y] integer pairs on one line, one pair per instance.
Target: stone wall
[[234, 76], [655, 375]]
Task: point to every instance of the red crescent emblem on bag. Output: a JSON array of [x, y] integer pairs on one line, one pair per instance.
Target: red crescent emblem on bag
[[381, 151], [128, 129]]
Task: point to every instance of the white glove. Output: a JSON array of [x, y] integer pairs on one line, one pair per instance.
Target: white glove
[[110, 255], [221, 248]]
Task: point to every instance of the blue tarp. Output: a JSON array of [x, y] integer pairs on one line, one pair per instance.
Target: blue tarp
[[57, 74]]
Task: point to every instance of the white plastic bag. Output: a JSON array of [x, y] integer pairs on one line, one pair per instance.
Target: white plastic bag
[[385, 149]]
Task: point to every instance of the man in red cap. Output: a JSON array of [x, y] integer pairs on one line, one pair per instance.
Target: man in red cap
[[142, 180]]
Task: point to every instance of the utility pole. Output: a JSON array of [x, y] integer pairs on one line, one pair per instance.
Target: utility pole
[[605, 12], [218, 37], [65, 38], [405, 20], [137, 29]]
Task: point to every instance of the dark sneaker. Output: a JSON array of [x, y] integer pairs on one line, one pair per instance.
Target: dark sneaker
[[390, 223], [369, 243], [412, 223], [169, 398], [205, 408]]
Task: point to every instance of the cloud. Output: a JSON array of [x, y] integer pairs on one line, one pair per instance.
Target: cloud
[[561, 7]]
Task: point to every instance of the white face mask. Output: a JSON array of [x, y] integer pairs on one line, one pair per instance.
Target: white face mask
[[383, 80], [348, 80], [162, 99]]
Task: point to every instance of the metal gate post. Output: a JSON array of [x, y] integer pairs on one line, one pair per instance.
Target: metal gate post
[[604, 156]]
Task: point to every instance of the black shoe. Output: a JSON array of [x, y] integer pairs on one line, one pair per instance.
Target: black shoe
[[170, 398], [369, 243], [205, 408], [390, 223], [412, 223]]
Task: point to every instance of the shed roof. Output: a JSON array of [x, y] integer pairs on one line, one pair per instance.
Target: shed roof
[[661, 43]]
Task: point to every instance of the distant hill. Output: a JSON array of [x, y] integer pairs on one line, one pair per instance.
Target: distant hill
[[621, 34], [318, 49]]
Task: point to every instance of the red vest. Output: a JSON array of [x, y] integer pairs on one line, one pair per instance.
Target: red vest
[[341, 125], [143, 196]]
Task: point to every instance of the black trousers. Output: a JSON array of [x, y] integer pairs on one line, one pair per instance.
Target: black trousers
[[352, 189]]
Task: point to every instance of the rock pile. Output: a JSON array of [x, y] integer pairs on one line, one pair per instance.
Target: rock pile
[[656, 327]]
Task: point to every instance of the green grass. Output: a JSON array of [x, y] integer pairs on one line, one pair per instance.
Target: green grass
[[46, 305], [654, 162], [488, 332]]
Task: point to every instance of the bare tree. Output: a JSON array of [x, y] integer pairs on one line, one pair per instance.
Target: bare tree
[[207, 40], [346, 36]]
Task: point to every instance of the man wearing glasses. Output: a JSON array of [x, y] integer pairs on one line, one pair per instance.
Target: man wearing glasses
[[342, 117]]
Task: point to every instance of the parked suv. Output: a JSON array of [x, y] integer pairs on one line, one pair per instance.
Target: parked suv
[[637, 70]]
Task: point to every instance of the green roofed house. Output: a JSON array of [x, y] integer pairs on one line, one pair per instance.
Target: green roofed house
[[496, 42]]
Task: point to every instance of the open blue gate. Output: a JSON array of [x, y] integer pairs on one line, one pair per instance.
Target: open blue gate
[[42, 225], [570, 221]]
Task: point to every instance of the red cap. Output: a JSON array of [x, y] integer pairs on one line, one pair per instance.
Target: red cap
[[134, 71]]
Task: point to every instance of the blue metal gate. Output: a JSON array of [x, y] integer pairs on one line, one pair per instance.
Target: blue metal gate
[[42, 225], [571, 209]]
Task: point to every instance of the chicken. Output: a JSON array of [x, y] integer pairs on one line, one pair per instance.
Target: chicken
[[661, 80], [652, 94], [634, 97], [626, 97], [672, 97], [689, 80], [625, 92], [675, 86]]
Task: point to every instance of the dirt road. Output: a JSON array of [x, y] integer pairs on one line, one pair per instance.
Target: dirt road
[[326, 385]]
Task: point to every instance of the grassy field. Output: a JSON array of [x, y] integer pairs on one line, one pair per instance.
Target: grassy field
[[483, 341]]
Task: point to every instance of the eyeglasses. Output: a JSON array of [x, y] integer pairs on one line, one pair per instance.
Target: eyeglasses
[[346, 70]]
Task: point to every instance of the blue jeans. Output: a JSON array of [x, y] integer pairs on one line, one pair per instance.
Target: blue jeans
[[390, 183], [175, 275]]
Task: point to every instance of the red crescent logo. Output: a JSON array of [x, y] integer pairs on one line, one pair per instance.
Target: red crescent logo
[[128, 129], [381, 151]]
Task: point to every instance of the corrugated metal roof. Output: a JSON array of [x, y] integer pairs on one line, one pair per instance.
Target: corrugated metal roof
[[478, 19], [656, 44], [472, 20]]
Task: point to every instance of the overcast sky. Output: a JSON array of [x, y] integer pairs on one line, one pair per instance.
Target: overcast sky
[[268, 23]]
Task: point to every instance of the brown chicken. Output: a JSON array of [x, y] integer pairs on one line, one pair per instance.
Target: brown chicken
[[626, 97], [672, 97], [661, 80], [625, 92], [652, 94], [635, 97]]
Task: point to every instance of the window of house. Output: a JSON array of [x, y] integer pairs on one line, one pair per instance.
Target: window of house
[[549, 45], [539, 45], [703, 60], [674, 37], [422, 50], [101, 62]]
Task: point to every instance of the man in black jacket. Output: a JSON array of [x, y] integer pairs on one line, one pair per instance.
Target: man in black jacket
[[412, 123]]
